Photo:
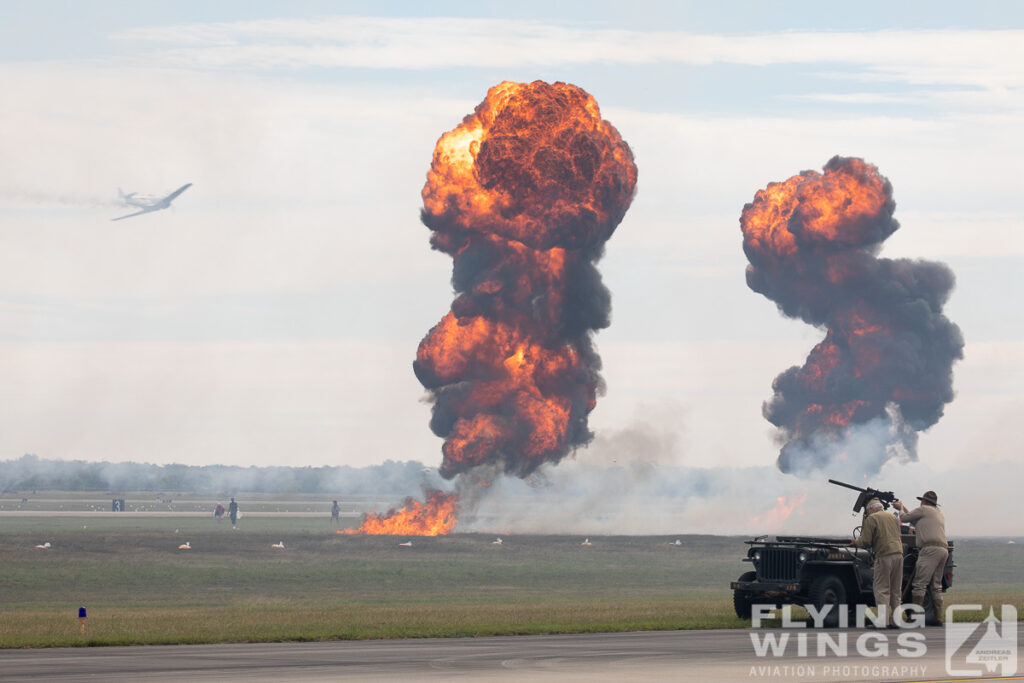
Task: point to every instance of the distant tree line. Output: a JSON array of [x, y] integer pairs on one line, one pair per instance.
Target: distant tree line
[[30, 473]]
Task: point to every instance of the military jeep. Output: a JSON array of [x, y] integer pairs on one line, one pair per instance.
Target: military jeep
[[819, 571]]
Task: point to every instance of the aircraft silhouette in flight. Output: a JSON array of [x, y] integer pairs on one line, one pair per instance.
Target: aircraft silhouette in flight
[[148, 203]]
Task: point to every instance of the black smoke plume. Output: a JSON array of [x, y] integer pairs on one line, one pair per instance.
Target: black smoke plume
[[883, 372]]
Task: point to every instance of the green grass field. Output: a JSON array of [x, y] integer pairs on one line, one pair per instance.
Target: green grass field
[[234, 587]]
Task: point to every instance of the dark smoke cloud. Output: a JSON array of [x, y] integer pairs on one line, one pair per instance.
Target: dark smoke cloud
[[583, 307], [883, 373]]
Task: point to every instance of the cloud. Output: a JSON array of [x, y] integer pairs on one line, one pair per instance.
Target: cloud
[[975, 58], [859, 98]]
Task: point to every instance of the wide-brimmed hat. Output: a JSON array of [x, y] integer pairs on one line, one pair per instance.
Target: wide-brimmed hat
[[929, 497]]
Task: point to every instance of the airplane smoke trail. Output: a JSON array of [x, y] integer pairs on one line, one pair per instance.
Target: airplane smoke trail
[[46, 198], [885, 364]]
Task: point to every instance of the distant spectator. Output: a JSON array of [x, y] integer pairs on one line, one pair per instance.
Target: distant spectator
[[335, 512], [233, 513]]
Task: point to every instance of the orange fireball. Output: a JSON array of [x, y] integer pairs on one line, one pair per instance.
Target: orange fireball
[[534, 163], [523, 194]]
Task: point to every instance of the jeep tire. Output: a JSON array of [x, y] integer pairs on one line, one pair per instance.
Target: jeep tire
[[828, 589], [743, 601]]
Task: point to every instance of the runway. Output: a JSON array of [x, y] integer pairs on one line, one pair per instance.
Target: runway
[[722, 655], [132, 514]]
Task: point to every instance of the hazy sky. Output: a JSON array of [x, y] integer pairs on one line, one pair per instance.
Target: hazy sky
[[272, 315]]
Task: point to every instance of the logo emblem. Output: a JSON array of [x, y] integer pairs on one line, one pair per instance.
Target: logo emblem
[[985, 648]]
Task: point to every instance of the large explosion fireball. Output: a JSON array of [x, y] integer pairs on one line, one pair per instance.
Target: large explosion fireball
[[888, 352], [523, 194]]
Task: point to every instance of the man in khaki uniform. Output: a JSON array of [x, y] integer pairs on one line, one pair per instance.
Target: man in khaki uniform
[[881, 533], [932, 549]]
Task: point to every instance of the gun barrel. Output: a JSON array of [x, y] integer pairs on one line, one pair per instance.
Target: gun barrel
[[845, 485]]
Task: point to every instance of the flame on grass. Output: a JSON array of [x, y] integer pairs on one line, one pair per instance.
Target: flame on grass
[[435, 517]]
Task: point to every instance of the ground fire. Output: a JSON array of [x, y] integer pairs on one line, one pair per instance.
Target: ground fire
[[523, 195], [887, 356], [435, 517]]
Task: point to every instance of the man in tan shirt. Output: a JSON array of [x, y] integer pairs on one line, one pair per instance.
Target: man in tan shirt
[[881, 533], [932, 549]]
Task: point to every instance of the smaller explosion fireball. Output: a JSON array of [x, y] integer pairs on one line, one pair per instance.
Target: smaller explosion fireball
[[435, 517], [884, 368]]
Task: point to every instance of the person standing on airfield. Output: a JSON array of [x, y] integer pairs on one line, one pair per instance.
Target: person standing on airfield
[[335, 512], [233, 513], [932, 550], [881, 533]]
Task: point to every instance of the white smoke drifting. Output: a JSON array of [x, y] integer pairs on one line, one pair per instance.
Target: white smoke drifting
[[662, 500]]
